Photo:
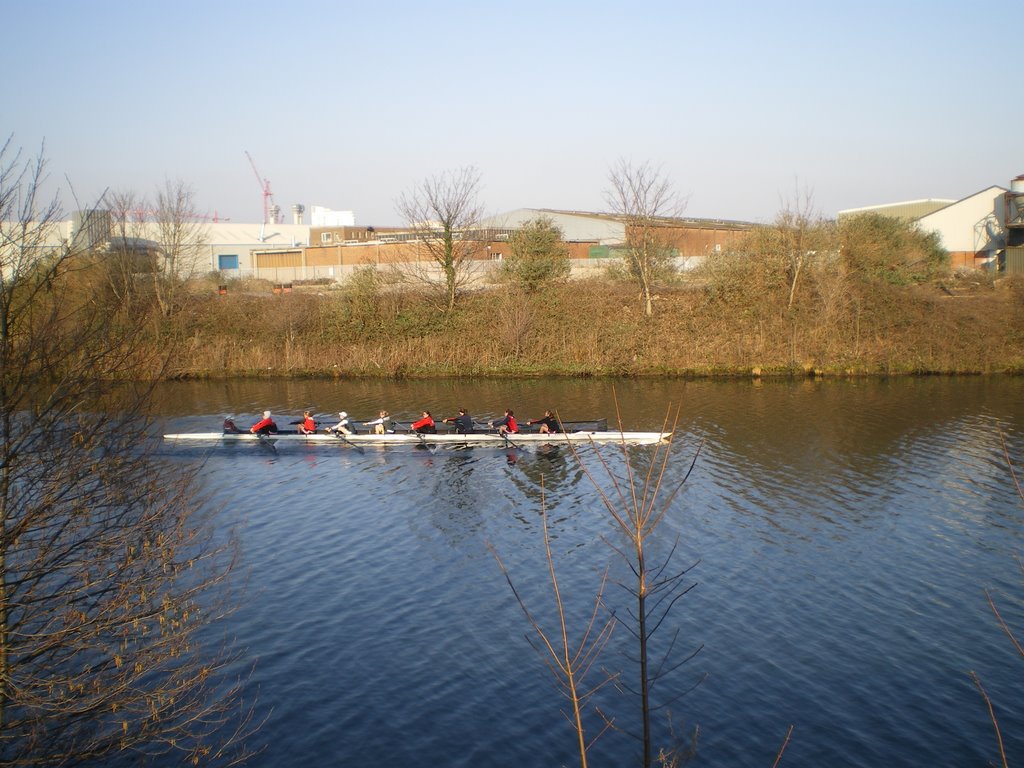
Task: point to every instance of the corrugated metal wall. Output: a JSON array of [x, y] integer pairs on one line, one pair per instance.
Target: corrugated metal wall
[[278, 259], [1015, 260]]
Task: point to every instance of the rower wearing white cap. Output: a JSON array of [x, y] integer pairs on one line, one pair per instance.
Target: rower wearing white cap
[[264, 426], [344, 426]]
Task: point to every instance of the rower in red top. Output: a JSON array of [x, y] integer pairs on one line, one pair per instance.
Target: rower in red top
[[264, 426], [506, 424], [307, 426], [425, 426]]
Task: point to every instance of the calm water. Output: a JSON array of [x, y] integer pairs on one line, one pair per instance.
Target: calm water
[[845, 533]]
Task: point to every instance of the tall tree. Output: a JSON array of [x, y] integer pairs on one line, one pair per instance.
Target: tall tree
[[109, 571], [444, 214], [645, 201]]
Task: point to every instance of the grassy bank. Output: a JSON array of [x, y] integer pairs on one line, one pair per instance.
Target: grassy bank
[[709, 324]]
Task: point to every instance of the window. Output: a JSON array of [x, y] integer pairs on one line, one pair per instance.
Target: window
[[227, 261], [325, 237]]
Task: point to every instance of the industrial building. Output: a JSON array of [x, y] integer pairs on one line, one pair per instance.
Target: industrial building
[[591, 238], [985, 229], [982, 230], [691, 238]]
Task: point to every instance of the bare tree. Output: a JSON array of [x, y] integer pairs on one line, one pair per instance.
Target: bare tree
[[801, 235], [569, 662], [181, 237], [129, 262], [444, 214], [637, 504], [109, 569], [157, 243], [645, 201]]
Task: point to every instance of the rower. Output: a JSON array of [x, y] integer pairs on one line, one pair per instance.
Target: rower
[[425, 425], [506, 424], [307, 426], [344, 426], [379, 422], [548, 424], [463, 422], [264, 426]]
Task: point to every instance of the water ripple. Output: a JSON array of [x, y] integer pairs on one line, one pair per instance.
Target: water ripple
[[845, 536]]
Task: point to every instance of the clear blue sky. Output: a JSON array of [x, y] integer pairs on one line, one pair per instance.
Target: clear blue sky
[[347, 104]]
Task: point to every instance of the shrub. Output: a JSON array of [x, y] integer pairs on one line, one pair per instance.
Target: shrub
[[895, 251], [538, 256]]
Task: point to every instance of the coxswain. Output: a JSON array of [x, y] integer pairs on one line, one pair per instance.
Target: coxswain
[[230, 428], [307, 426], [264, 426], [548, 423], [506, 425], [425, 425], [463, 422]]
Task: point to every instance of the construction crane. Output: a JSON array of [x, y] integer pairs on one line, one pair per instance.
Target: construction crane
[[268, 196]]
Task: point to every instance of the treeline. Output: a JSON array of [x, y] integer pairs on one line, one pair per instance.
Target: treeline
[[873, 296], [804, 295]]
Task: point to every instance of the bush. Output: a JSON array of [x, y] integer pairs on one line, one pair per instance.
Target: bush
[[538, 256], [895, 251]]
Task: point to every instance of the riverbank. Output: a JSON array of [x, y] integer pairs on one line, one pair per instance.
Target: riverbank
[[700, 328]]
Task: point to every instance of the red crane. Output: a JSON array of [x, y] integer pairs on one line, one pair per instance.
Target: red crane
[[268, 196]]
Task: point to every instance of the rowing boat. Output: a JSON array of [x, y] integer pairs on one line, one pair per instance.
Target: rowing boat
[[441, 438]]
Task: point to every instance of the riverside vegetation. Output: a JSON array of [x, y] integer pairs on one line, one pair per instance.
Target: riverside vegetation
[[113, 572], [872, 296]]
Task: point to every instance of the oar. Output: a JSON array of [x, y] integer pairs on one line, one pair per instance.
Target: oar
[[509, 440], [422, 441], [348, 442]]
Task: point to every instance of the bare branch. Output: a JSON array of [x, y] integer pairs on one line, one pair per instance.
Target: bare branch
[[785, 743], [992, 717], [110, 567]]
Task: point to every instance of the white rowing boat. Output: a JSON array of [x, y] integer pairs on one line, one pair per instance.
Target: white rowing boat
[[441, 438]]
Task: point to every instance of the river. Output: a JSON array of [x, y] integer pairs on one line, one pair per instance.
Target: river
[[840, 537]]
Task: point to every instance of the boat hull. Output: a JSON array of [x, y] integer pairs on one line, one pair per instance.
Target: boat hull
[[451, 439]]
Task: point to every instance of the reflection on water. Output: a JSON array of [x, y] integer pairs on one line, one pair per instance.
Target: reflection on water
[[845, 531]]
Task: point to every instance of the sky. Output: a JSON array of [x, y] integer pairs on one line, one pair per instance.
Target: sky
[[745, 107]]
